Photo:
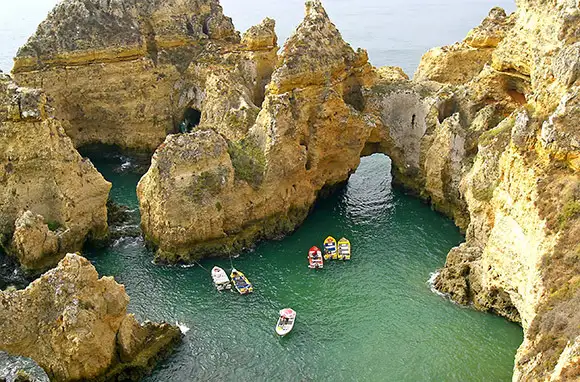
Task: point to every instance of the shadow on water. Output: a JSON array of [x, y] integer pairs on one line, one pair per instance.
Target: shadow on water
[[373, 318]]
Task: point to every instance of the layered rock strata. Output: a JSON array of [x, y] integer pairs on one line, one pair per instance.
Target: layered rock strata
[[76, 326], [523, 189], [487, 132], [51, 199], [128, 73], [220, 189]]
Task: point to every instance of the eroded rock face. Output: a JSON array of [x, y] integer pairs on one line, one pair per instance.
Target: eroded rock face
[[33, 242], [128, 73], [240, 187], [487, 132], [76, 325], [459, 63], [523, 189], [41, 172]]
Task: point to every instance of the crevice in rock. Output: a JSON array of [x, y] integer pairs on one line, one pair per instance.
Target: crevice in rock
[[446, 109], [150, 41], [205, 27], [352, 94]]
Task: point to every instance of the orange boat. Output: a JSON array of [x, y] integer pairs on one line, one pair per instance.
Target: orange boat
[[315, 258]]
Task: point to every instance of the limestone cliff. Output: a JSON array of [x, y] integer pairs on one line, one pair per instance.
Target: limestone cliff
[[128, 73], [487, 132], [76, 326], [207, 194], [522, 190], [51, 199], [482, 133]]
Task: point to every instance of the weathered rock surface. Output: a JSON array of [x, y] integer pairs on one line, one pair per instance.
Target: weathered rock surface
[[76, 326], [459, 63], [33, 242], [487, 132], [51, 198], [240, 187], [128, 73], [522, 190]]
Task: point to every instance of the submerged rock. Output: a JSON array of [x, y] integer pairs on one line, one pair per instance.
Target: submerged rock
[[76, 326], [51, 199], [20, 369]]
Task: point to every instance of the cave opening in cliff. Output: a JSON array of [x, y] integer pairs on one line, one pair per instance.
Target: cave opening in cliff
[[191, 119]]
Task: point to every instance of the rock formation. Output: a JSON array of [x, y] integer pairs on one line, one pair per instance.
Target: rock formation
[[482, 133], [522, 190], [128, 73], [487, 132], [76, 326], [222, 188], [51, 199]]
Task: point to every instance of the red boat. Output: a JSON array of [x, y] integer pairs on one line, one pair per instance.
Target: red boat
[[315, 258]]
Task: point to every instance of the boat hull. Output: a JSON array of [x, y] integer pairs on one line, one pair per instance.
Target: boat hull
[[241, 282], [283, 330]]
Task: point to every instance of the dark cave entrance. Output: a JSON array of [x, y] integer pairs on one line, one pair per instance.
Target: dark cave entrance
[[191, 119]]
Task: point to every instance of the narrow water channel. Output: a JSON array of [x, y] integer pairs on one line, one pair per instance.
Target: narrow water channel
[[373, 318]]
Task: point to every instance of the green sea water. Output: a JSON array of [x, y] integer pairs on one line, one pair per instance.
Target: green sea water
[[374, 318]]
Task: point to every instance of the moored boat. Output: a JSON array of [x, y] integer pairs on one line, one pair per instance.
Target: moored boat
[[241, 283], [343, 249], [285, 322], [330, 248], [220, 279], [315, 258]]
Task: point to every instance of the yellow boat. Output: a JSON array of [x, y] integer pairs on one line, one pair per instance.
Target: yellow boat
[[330, 248], [343, 249]]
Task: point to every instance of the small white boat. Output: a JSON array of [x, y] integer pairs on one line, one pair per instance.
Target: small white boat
[[285, 322], [220, 279]]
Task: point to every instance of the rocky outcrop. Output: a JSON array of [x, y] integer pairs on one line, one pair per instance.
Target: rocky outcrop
[[76, 326], [459, 63], [129, 73], [522, 190], [487, 132], [51, 199], [238, 186]]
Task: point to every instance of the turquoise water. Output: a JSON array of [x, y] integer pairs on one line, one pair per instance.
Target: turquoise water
[[371, 319]]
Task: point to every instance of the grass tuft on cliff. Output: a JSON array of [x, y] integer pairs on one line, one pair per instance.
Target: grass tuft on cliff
[[248, 160]]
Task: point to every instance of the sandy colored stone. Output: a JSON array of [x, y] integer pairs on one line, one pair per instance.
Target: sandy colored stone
[[243, 188], [34, 244], [461, 62], [69, 321], [132, 85], [41, 172]]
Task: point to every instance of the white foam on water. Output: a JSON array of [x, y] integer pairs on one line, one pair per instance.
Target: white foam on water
[[187, 265], [126, 164], [184, 329], [431, 283]]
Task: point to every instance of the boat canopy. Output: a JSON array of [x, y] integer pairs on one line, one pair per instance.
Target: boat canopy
[[314, 251], [287, 313], [330, 244]]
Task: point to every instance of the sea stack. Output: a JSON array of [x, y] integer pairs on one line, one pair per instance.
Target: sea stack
[[246, 140], [51, 199]]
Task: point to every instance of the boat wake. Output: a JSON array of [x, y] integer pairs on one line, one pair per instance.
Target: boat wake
[[182, 327]]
